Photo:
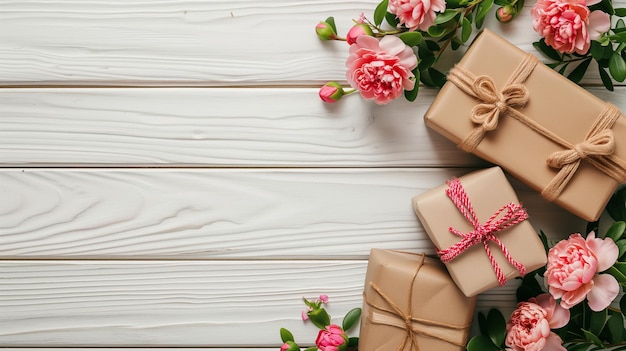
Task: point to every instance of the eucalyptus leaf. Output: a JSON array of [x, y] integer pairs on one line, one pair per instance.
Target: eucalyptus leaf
[[351, 318], [598, 320], [617, 67], [615, 324], [606, 79], [445, 16], [481, 343], [380, 11], [579, 72], [411, 38], [285, 335], [592, 337], [436, 31], [481, 11], [496, 327], [466, 29], [616, 230]]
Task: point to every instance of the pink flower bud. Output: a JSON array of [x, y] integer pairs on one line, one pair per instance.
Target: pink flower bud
[[304, 315], [289, 346], [506, 13], [325, 31], [323, 298], [358, 30], [331, 92]]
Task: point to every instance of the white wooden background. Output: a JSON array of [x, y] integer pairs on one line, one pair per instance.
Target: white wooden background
[[169, 177]]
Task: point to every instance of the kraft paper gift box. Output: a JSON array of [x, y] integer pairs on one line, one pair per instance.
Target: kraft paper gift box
[[488, 191], [504, 106], [411, 303]]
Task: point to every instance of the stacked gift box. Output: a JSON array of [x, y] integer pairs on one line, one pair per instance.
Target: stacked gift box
[[533, 124]]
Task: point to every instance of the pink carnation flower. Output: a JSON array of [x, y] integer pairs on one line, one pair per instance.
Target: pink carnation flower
[[529, 328], [416, 13], [380, 70], [333, 338], [567, 25], [573, 267]]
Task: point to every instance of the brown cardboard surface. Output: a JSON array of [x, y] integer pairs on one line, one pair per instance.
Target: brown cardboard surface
[[488, 190], [555, 102], [433, 296]]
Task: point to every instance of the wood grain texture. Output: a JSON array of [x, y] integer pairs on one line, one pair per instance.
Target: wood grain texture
[[331, 213], [221, 127], [190, 42], [207, 304]]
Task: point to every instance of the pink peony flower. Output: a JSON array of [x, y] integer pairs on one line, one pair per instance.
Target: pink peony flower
[[380, 70], [573, 267], [567, 25], [529, 328], [333, 338], [416, 13], [356, 31]]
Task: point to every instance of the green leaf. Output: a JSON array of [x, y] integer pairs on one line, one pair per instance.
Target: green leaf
[[411, 95], [427, 59], [481, 343], [616, 230], [598, 319], [411, 38], [481, 11], [592, 337], [563, 68], [605, 6], [379, 13], [579, 72], [320, 318], [466, 29], [547, 50], [502, 2], [616, 206], [620, 11], [438, 78], [331, 22], [286, 335], [482, 323], [606, 79], [445, 16], [436, 31], [392, 19], [619, 36], [314, 348], [432, 45], [579, 346], [615, 325], [351, 318], [617, 67], [622, 304], [352, 342], [496, 327], [597, 50], [621, 245], [620, 24]]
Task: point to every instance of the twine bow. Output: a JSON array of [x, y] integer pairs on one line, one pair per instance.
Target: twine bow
[[507, 216], [394, 316], [597, 148]]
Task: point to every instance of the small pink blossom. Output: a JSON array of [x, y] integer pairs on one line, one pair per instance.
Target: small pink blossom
[[381, 70], [573, 267], [567, 25], [356, 31], [416, 14], [323, 298], [331, 92], [529, 328], [333, 338], [304, 315]]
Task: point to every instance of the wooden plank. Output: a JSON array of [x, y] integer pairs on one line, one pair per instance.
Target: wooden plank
[[191, 42], [176, 303], [225, 213], [223, 127]]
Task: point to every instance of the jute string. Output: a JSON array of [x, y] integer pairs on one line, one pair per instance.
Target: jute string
[[505, 217], [597, 148], [395, 317]]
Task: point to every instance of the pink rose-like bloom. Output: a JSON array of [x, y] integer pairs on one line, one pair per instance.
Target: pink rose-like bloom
[[573, 267], [416, 13], [380, 70], [567, 25], [356, 31], [529, 328], [333, 338]]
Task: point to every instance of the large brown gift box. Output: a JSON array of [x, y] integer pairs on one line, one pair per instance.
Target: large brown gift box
[[488, 190], [504, 106], [410, 303]]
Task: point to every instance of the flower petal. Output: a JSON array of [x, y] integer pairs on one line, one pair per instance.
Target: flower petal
[[554, 343], [599, 23], [604, 290], [605, 250]]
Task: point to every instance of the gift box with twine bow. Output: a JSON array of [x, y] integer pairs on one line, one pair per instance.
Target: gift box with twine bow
[[480, 230], [510, 109], [410, 303]]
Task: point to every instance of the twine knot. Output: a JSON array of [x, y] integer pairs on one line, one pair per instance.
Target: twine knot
[[602, 143], [507, 216], [494, 102]]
